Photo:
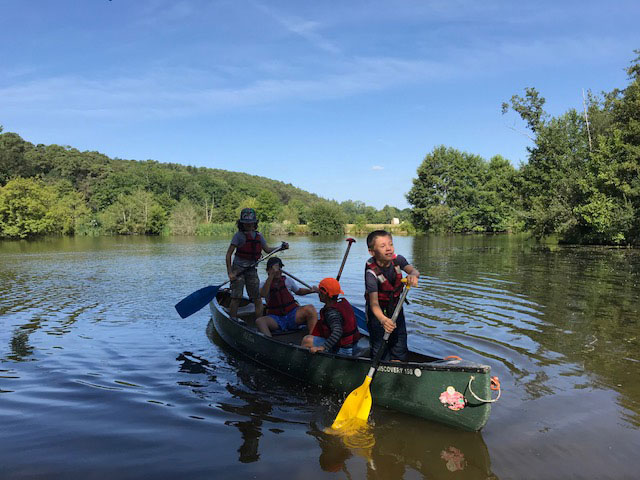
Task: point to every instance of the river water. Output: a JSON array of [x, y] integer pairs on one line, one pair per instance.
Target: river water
[[100, 378]]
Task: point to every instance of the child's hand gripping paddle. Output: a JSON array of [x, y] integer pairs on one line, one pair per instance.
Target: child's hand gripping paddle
[[358, 404]]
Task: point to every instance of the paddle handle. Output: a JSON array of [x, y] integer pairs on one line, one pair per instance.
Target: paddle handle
[[346, 254], [394, 317], [297, 279]]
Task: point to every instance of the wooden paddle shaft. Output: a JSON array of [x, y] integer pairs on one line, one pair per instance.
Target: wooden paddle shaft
[[396, 312], [344, 259], [394, 317], [297, 279]]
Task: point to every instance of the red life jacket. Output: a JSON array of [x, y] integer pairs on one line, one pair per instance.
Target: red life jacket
[[388, 293], [280, 301], [251, 249], [350, 333]]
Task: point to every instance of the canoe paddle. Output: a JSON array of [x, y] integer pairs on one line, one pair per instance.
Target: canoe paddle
[[297, 279], [358, 404], [344, 259], [360, 315], [198, 299]]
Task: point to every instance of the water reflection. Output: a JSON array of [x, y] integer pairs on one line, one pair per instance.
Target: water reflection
[[20, 348], [402, 444]]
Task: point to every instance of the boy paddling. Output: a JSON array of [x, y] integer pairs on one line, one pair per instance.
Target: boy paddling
[[382, 276], [283, 312], [248, 245], [337, 329]]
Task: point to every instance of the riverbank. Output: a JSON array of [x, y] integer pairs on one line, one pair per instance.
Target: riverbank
[[282, 229]]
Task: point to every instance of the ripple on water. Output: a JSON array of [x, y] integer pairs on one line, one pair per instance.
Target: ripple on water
[[100, 377]]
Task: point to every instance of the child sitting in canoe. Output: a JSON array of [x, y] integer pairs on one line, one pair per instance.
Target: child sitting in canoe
[[337, 328], [382, 278], [283, 312], [248, 245]]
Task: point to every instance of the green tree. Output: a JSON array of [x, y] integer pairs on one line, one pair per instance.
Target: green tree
[[446, 194], [388, 213], [12, 164], [27, 209], [137, 213], [184, 218], [500, 204], [529, 107], [360, 224], [289, 214], [268, 206], [227, 209], [70, 209], [302, 209], [326, 219], [582, 181]]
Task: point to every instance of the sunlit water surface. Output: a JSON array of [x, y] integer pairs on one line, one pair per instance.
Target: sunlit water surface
[[100, 378]]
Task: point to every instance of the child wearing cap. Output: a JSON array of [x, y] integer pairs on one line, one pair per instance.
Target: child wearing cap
[[283, 312], [337, 329], [248, 245], [383, 286]]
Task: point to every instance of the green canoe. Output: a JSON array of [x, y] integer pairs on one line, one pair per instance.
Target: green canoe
[[415, 387]]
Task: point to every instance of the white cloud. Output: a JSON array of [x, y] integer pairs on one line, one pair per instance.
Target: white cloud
[[165, 92], [304, 28], [186, 91], [377, 167]]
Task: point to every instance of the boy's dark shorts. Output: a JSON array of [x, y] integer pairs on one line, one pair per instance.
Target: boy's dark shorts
[[249, 279], [397, 345]]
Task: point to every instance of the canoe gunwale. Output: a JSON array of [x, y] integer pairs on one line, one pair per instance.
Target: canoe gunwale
[[461, 366]]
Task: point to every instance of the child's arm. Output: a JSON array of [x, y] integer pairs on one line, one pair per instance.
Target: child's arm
[[412, 275], [230, 250], [293, 287], [374, 305], [306, 291], [264, 291], [334, 321], [269, 249]]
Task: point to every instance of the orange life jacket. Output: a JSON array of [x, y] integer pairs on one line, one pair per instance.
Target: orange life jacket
[[251, 249], [280, 301], [388, 292], [350, 333]]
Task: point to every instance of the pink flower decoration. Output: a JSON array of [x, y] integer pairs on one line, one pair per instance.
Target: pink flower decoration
[[452, 399]]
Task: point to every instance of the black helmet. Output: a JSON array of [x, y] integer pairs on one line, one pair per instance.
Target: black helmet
[[248, 215]]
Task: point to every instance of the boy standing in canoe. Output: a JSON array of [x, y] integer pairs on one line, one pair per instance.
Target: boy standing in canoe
[[283, 312], [248, 245], [382, 278], [337, 328]]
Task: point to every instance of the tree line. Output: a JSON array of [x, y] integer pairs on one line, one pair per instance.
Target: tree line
[[581, 182], [53, 189]]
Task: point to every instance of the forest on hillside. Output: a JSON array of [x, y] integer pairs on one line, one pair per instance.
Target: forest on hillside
[[53, 189]]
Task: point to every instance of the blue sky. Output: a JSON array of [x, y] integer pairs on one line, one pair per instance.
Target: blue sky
[[341, 98]]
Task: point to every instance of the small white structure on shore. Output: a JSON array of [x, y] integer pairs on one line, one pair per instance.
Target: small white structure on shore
[[395, 221]]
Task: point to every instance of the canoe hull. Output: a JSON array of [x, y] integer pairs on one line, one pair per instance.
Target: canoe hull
[[412, 388]]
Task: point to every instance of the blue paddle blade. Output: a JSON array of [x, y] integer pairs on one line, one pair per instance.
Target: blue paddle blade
[[198, 299]]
